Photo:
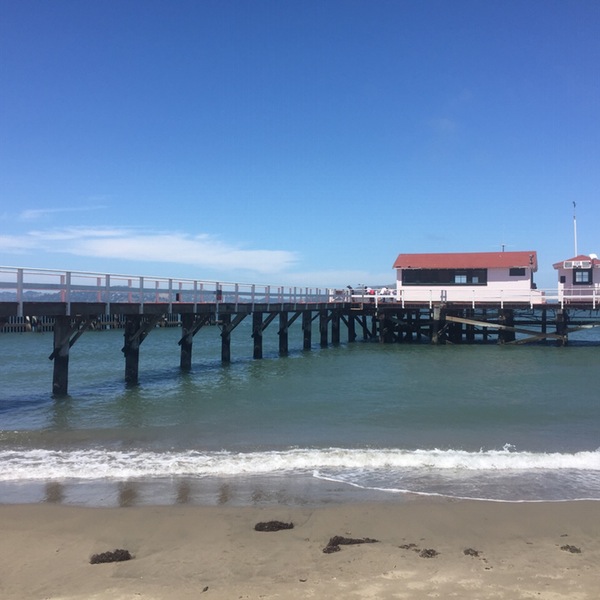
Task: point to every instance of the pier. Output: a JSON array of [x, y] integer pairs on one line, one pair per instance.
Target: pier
[[70, 303]]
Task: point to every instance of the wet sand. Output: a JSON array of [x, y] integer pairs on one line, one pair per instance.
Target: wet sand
[[426, 548]]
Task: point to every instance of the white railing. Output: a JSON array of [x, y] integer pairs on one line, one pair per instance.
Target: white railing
[[481, 296], [23, 284]]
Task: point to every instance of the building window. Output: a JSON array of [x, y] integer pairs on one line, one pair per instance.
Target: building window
[[437, 277], [582, 276], [517, 271]]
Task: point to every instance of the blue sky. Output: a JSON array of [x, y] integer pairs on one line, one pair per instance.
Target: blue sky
[[296, 142]]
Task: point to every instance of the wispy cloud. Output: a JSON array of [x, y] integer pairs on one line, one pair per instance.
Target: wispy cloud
[[192, 254], [34, 214], [201, 250]]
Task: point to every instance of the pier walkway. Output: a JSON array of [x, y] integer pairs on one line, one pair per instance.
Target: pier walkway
[[70, 302]]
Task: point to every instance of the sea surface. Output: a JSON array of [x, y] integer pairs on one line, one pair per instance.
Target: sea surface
[[360, 421]]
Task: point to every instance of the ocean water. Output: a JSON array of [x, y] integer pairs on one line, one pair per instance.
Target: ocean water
[[350, 422]]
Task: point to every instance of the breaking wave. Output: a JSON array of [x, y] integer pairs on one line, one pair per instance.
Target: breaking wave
[[44, 464]]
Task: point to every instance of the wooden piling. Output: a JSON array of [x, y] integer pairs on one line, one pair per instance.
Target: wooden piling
[[506, 317], [350, 322], [562, 320], [187, 337], [386, 329], [470, 329], [323, 325], [131, 348], [257, 335], [335, 327], [225, 338], [437, 317], [283, 333], [60, 355], [190, 325], [307, 330]]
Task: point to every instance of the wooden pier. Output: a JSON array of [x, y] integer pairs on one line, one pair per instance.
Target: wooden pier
[[70, 308], [387, 322]]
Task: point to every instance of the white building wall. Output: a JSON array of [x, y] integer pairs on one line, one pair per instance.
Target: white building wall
[[501, 287], [569, 290]]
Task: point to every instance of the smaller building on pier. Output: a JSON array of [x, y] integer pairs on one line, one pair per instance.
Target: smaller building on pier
[[579, 278], [472, 277]]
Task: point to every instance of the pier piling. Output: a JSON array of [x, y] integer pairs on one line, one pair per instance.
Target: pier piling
[[60, 356]]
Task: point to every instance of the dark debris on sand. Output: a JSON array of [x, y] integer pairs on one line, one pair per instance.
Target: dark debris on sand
[[337, 540], [273, 526], [426, 553], [571, 549], [471, 552], [118, 555], [409, 547]]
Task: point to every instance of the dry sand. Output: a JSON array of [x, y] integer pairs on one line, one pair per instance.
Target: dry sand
[[516, 551]]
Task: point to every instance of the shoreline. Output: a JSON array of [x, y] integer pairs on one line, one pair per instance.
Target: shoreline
[[545, 550], [298, 490]]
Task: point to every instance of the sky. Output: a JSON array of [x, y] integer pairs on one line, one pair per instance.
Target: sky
[[296, 142]]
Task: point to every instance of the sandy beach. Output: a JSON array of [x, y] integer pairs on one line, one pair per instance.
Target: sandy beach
[[425, 549]]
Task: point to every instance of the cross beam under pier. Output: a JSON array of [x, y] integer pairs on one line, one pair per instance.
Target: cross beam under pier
[[534, 336]]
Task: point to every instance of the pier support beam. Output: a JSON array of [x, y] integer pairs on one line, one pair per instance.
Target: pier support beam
[[60, 377], [185, 359], [190, 325], [227, 326], [455, 332], [258, 326], [366, 332], [226, 338], [66, 333], [470, 328], [323, 322], [131, 349], [486, 332], [257, 335], [137, 329], [544, 320], [307, 330], [350, 324], [283, 333], [506, 334], [437, 318], [335, 327], [562, 321], [386, 329]]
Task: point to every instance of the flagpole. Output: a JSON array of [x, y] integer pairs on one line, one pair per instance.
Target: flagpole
[[575, 228]]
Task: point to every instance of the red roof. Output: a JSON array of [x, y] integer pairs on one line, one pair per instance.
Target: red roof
[[594, 260], [467, 260]]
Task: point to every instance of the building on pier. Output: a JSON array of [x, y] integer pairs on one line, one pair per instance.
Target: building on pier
[[578, 278], [467, 277]]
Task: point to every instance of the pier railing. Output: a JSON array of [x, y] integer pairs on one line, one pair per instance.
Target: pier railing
[[21, 285], [481, 296]]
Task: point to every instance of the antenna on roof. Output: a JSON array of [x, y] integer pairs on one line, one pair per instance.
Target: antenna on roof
[[575, 227]]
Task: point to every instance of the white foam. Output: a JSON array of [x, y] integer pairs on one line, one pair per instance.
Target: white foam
[[43, 464]]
